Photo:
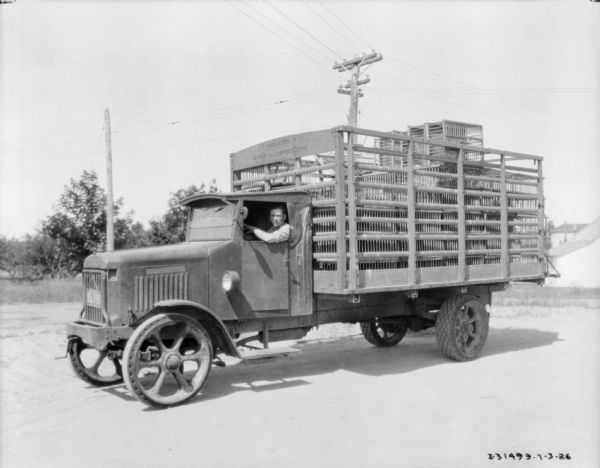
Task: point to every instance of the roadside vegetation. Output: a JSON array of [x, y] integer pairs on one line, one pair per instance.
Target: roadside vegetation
[[519, 294], [76, 228], [525, 294], [41, 291]]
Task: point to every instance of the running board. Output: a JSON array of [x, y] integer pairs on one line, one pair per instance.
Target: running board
[[255, 354]]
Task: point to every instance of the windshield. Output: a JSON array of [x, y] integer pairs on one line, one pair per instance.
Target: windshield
[[211, 221]]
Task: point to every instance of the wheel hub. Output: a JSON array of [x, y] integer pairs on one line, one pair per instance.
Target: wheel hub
[[173, 362]]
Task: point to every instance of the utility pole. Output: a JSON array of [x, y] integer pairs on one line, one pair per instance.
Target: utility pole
[[110, 236], [351, 88]]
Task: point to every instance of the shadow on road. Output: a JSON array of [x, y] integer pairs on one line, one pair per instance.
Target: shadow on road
[[351, 354]]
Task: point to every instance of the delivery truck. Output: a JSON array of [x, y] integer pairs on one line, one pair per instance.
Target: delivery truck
[[395, 231]]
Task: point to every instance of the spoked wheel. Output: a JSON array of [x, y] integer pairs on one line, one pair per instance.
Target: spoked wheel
[[167, 360], [94, 366], [384, 333], [462, 327]]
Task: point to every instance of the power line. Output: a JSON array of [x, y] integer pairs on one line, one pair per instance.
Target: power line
[[230, 2], [494, 112], [331, 25], [124, 149], [500, 117], [120, 148], [249, 110], [179, 117], [440, 77], [273, 22], [345, 25], [304, 30], [167, 122]]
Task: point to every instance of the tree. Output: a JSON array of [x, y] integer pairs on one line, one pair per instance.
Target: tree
[[78, 224], [32, 257], [170, 227]]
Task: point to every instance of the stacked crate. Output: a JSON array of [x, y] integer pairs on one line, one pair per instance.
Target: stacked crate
[[450, 131]]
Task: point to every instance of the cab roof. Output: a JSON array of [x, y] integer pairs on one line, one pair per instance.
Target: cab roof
[[281, 196]]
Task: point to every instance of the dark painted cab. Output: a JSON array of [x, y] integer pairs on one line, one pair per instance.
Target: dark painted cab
[[219, 269]]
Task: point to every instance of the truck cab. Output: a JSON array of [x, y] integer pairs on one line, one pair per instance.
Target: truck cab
[[249, 278], [222, 279]]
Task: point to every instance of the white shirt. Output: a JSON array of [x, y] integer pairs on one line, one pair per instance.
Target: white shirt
[[274, 235]]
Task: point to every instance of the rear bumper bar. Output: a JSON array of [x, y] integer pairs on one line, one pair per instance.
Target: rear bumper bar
[[95, 336]]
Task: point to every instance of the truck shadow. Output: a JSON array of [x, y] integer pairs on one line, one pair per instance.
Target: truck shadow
[[354, 354], [351, 354]]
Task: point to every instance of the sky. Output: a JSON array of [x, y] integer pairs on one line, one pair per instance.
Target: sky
[[187, 83]]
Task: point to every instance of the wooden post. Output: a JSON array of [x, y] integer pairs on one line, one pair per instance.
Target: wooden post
[[411, 221], [504, 259], [110, 236], [340, 210], [234, 175], [540, 210], [462, 236], [353, 267], [266, 172], [297, 177]]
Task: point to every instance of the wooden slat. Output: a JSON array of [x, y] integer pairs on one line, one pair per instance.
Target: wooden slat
[[540, 217], [412, 238], [503, 220], [373, 167], [296, 172], [399, 188], [474, 149], [353, 264], [462, 259], [340, 211]]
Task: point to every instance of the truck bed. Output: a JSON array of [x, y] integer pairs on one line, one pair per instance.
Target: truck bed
[[394, 212]]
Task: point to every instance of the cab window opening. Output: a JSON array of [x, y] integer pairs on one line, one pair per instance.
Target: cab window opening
[[259, 214]]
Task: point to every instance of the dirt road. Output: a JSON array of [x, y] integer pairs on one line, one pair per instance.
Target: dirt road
[[340, 402]]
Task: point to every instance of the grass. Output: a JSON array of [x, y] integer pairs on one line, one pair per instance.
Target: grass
[[41, 291], [533, 295], [70, 290]]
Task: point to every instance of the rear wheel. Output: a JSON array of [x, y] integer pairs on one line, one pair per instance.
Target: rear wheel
[[384, 332], [167, 360], [94, 366], [462, 327]]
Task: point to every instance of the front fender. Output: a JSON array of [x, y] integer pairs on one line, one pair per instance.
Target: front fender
[[214, 326]]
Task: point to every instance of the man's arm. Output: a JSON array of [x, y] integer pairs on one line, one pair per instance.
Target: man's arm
[[280, 235]]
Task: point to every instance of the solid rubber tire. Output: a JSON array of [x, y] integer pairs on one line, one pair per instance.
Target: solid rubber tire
[[445, 327], [369, 331]]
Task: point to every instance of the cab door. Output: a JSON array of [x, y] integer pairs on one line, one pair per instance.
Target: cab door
[[265, 276]]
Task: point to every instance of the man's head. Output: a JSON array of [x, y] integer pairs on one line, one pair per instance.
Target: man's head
[[277, 216]]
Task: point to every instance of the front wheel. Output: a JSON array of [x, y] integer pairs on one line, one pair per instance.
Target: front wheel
[[384, 332], [461, 327], [93, 366], [167, 360]]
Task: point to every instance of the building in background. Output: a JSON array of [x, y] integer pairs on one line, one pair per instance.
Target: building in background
[[564, 233], [577, 257]]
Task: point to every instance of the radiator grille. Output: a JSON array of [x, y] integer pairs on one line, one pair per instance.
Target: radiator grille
[[94, 283], [149, 289]]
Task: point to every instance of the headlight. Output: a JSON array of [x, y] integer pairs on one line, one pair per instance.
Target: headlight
[[230, 280]]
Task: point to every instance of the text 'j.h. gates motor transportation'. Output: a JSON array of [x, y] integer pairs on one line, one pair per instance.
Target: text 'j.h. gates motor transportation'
[[389, 230]]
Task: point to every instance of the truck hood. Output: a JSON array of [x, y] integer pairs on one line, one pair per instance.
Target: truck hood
[[189, 252]]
